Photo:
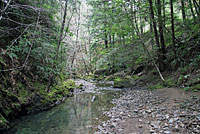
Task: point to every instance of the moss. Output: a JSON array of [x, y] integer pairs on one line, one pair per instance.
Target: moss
[[89, 77], [156, 86], [117, 78], [69, 84], [123, 82], [9, 94], [7, 110], [3, 123], [135, 77], [7, 102], [33, 99], [30, 99], [22, 92], [128, 77], [169, 83], [16, 106], [63, 88], [61, 77], [110, 78], [99, 78], [39, 86]]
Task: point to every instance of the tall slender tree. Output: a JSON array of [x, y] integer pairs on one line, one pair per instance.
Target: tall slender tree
[[183, 10], [172, 27], [160, 23], [154, 25], [191, 9]]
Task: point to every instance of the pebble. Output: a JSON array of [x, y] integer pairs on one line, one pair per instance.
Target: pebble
[[167, 132]]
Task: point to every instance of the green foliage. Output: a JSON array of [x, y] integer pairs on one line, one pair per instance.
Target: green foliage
[[3, 123], [169, 83], [135, 77], [36, 47], [195, 88], [194, 63], [115, 20]]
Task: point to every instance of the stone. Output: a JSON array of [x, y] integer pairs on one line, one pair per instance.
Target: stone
[[167, 132], [152, 131], [171, 121], [140, 126], [148, 111]]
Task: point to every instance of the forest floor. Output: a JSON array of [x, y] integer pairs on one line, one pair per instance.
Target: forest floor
[[161, 111]]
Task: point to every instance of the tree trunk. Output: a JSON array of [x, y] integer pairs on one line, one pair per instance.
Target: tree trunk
[[161, 66], [110, 39], [105, 39], [77, 36], [123, 38], [151, 30], [183, 10], [162, 40], [154, 26], [113, 40], [172, 27], [135, 15], [141, 25], [62, 29], [164, 16], [141, 21], [192, 11], [197, 8], [132, 19]]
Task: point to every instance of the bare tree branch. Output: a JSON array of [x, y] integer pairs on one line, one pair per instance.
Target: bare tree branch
[[2, 11]]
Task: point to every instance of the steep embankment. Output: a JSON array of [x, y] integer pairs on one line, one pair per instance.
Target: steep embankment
[[23, 100]]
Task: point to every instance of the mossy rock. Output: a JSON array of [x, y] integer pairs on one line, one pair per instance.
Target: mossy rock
[[124, 82], [111, 78], [64, 88], [80, 86], [88, 77], [23, 93], [135, 77], [115, 76]]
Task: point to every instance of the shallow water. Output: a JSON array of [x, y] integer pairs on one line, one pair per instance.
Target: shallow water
[[77, 115]]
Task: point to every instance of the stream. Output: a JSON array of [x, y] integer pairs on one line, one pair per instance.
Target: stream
[[79, 114]]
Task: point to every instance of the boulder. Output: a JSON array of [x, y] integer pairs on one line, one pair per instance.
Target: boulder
[[126, 82]]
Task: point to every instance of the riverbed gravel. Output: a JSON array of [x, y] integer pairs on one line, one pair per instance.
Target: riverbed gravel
[[163, 111]]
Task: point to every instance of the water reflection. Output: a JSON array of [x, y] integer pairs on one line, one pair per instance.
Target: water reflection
[[77, 115]]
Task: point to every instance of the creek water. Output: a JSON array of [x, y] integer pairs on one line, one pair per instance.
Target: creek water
[[77, 115]]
